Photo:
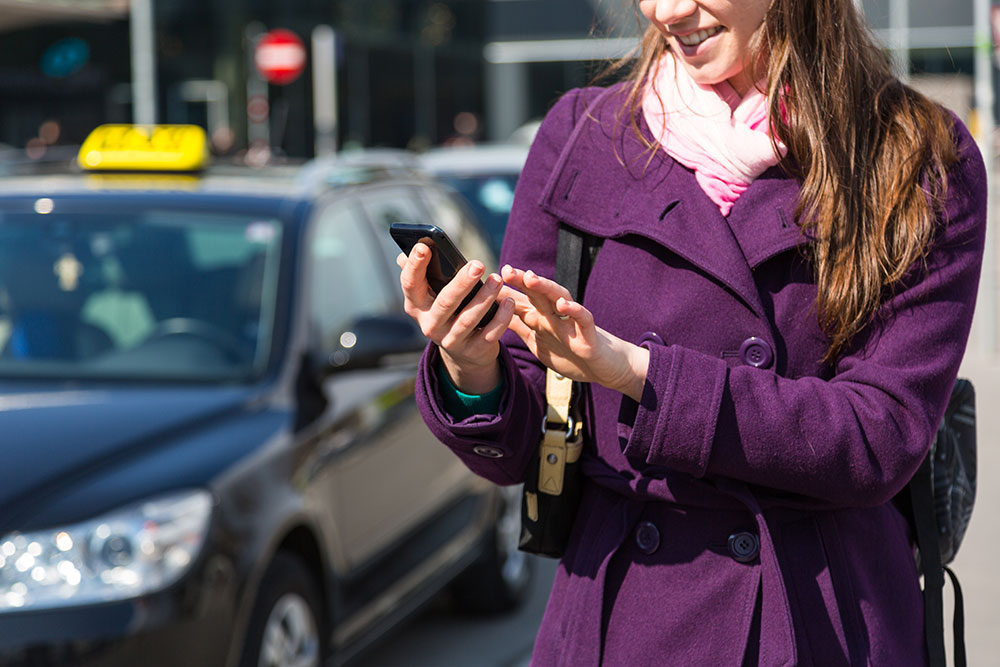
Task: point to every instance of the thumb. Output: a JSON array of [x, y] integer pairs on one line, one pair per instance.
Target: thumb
[[520, 328]]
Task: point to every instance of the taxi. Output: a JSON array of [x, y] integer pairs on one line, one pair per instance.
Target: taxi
[[211, 449]]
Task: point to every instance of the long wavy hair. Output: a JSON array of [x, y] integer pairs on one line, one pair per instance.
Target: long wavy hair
[[871, 153]]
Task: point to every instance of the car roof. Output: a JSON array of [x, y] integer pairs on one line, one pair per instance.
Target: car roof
[[248, 184], [475, 159], [301, 181]]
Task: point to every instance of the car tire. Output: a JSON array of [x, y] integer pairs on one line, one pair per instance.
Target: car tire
[[500, 578], [286, 625]]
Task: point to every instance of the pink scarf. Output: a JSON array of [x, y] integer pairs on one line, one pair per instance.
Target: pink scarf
[[710, 130]]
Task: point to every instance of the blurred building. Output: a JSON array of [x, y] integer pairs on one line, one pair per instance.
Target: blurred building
[[405, 69], [407, 72], [933, 44]]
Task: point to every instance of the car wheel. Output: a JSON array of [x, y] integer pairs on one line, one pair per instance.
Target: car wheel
[[499, 579], [286, 623]]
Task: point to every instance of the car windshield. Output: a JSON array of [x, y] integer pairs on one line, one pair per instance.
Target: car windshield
[[149, 295], [491, 197]]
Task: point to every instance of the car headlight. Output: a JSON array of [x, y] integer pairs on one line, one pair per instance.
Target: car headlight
[[125, 553]]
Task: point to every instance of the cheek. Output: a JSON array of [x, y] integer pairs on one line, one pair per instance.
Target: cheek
[[753, 17]]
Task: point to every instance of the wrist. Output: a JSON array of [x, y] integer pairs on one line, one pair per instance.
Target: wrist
[[470, 377], [637, 367]]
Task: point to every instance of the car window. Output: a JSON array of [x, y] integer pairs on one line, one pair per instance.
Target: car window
[[150, 294], [348, 273], [385, 206], [447, 214], [491, 197]]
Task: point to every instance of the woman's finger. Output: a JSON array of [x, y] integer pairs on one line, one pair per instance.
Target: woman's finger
[[413, 277], [567, 309], [533, 282], [541, 292], [523, 331], [451, 296], [473, 313], [500, 322]]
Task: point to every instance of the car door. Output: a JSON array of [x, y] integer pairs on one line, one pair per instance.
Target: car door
[[388, 473]]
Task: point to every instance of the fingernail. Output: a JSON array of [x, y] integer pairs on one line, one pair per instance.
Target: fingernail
[[493, 281], [476, 269]]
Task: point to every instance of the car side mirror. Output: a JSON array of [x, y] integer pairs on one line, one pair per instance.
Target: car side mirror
[[374, 341]]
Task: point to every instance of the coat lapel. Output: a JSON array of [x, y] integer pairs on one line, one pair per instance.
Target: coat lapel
[[612, 194], [763, 218]]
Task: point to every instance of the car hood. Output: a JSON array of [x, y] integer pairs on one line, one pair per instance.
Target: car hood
[[52, 439]]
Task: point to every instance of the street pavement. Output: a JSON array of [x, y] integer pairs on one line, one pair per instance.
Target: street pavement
[[441, 637]]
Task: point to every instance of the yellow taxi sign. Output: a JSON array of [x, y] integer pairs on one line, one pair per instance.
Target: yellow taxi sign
[[144, 148]]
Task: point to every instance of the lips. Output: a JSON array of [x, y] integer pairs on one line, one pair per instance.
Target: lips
[[697, 37]]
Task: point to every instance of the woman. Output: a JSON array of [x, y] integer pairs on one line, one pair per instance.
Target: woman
[[769, 335]]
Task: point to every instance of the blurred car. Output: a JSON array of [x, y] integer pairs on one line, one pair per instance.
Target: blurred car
[[212, 453], [485, 175]]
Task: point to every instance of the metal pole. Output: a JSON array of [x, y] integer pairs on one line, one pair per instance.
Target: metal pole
[[258, 101], [324, 62], [986, 308], [506, 98], [899, 28], [143, 38]]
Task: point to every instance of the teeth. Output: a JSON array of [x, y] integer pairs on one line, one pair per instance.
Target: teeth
[[696, 38]]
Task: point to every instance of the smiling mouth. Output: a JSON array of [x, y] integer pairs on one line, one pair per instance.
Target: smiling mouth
[[696, 38]]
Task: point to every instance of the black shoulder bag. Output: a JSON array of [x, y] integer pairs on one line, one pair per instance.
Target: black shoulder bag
[[938, 504], [555, 482]]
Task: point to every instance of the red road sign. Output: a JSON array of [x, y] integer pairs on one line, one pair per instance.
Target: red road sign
[[280, 56]]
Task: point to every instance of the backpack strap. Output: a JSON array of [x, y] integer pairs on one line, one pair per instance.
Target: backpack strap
[[958, 622], [925, 525]]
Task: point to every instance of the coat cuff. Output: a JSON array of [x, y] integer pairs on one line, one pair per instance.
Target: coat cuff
[[673, 423], [434, 397], [497, 447]]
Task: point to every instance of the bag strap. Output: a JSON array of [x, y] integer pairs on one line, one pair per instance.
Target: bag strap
[[563, 424], [958, 621], [925, 524], [574, 256]]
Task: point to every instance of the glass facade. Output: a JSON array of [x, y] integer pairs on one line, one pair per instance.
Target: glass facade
[[405, 70]]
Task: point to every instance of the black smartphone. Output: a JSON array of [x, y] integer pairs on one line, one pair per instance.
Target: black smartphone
[[446, 258]]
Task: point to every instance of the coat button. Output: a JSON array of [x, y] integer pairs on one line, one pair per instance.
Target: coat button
[[744, 546], [650, 337], [488, 452], [647, 537], [756, 352]]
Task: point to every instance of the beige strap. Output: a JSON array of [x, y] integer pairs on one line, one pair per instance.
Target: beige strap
[[558, 391], [555, 451], [531, 500]]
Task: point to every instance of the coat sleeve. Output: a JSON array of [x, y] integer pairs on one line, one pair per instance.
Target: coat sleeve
[[498, 447], [856, 438]]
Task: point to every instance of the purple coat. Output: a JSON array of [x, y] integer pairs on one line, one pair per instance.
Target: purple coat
[[741, 512]]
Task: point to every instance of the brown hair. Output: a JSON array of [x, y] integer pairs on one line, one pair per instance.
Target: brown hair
[[871, 153]]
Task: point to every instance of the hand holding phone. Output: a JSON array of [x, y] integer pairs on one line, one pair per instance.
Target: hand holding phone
[[446, 258]]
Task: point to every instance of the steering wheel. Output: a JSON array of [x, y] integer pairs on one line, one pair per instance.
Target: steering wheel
[[214, 334]]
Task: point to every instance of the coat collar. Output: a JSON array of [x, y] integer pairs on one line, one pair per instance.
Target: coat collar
[[629, 190]]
